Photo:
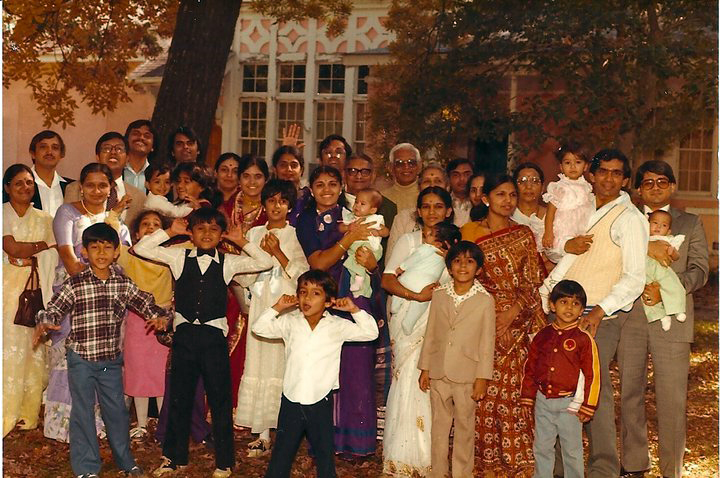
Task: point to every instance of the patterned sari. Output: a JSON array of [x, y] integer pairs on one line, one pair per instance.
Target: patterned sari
[[512, 273]]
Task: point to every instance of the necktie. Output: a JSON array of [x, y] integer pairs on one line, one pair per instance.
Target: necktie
[[112, 199]]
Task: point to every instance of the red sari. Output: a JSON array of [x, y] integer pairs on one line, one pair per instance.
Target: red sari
[[237, 321], [512, 273]]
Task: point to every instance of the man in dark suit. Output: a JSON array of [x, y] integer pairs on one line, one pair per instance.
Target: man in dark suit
[[47, 148], [670, 350]]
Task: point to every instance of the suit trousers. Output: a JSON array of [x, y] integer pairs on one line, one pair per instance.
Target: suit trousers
[[553, 421], [199, 350], [671, 362], [452, 401], [601, 430], [104, 378], [296, 420]]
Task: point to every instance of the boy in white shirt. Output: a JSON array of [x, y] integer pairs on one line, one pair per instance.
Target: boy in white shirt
[[157, 183], [313, 341]]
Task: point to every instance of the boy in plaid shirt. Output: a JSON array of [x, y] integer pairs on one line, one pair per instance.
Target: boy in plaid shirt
[[97, 299]]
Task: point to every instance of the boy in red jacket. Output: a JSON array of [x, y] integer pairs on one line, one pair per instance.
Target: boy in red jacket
[[557, 355]]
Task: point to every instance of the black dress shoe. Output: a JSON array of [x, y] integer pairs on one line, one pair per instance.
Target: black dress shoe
[[632, 474]]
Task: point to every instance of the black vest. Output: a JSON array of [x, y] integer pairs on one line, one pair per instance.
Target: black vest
[[198, 296]]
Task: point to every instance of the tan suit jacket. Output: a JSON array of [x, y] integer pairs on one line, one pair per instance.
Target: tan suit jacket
[[72, 194], [459, 341]]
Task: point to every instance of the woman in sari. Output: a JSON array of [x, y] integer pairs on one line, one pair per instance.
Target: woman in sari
[[27, 233], [228, 180], [288, 164], [243, 209], [326, 247], [512, 273], [406, 440]]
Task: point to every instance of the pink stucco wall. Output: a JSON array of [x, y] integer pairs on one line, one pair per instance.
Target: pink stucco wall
[[22, 120]]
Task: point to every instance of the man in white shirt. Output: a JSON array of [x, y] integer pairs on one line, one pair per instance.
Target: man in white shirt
[[46, 150], [609, 262], [140, 139], [313, 341], [111, 150], [460, 170]]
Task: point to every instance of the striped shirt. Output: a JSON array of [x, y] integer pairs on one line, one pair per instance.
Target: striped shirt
[[97, 309]]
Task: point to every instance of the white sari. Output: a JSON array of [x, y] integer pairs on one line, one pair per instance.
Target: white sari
[[406, 440]]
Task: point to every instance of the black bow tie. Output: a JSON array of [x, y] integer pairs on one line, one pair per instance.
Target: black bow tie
[[206, 252]]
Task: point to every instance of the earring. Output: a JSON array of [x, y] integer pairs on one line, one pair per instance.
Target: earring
[[486, 203]]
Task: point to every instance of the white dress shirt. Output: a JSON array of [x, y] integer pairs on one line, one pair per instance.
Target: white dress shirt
[[51, 196], [630, 232], [149, 248], [312, 357]]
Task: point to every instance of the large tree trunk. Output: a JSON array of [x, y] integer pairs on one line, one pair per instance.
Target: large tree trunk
[[195, 69]]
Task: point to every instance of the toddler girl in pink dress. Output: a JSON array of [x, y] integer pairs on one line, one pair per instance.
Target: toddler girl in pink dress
[[570, 201]]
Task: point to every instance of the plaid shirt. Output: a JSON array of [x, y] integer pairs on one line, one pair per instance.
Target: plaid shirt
[[97, 311]]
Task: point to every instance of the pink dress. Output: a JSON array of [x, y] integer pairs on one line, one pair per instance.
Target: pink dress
[[575, 202]]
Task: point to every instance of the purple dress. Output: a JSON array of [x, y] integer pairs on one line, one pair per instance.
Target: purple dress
[[354, 408]]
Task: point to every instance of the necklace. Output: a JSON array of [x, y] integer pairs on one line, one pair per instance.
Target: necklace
[[87, 211]]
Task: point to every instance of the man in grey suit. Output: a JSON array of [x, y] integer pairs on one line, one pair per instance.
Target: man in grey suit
[[670, 350]]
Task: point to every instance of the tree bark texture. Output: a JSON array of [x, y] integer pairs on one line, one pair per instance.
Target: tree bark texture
[[194, 71]]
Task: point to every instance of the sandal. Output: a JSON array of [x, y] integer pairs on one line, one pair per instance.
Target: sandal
[[138, 433], [258, 448]]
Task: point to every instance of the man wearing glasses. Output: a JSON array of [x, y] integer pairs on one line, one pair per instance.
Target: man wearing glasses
[[111, 150], [609, 262], [670, 350], [47, 148], [405, 164], [359, 175], [334, 150]]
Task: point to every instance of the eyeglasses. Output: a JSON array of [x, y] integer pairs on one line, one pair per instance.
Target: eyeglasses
[[364, 172], [118, 148], [662, 183], [338, 153], [529, 179], [410, 163]]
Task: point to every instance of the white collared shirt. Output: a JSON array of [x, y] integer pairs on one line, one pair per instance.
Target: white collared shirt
[[312, 357], [461, 210], [630, 232], [149, 248], [647, 210], [51, 196]]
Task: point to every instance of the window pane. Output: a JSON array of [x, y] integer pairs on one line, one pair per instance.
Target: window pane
[[255, 78], [331, 79], [362, 86], [329, 119], [290, 112], [252, 127]]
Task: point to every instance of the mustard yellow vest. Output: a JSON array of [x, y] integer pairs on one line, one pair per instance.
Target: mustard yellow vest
[[600, 267]]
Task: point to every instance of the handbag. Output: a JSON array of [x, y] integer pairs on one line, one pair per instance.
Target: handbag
[[30, 301]]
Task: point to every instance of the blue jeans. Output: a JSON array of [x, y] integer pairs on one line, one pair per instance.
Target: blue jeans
[[87, 379], [552, 420]]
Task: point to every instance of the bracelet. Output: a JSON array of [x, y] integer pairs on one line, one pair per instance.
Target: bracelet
[[341, 246]]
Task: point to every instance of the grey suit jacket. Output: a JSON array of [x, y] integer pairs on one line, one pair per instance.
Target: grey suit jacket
[[692, 268], [459, 341], [72, 194]]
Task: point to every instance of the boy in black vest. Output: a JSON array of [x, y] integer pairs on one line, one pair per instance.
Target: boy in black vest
[[199, 347]]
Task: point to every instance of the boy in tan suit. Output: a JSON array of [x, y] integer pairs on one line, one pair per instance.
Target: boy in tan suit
[[457, 359]]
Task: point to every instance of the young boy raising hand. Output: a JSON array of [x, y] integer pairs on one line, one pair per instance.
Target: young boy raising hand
[[97, 299], [199, 347], [557, 355], [313, 340]]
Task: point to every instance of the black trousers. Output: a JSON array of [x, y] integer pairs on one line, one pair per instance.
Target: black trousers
[[200, 350], [296, 420]]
